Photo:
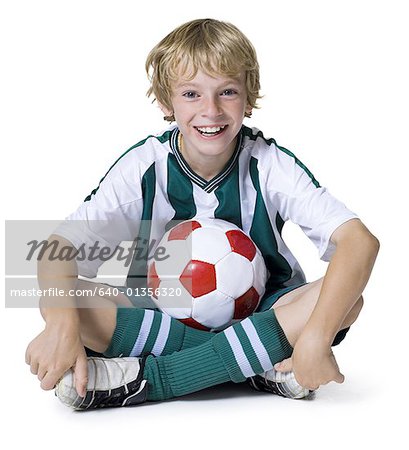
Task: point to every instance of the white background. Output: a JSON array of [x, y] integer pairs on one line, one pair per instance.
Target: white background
[[335, 79]]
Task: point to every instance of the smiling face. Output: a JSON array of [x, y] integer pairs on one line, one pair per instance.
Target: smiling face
[[209, 111]]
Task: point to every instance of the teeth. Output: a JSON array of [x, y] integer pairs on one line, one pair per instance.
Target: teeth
[[211, 129]]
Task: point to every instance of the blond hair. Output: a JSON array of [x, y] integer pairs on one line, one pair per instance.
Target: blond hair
[[214, 47]]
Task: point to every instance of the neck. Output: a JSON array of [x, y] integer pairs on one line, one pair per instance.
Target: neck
[[204, 165]]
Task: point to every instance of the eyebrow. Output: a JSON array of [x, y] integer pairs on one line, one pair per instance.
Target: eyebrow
[[195, 85]]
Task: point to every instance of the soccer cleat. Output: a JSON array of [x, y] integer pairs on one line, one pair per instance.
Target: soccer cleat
[[280, 383], [111, 382]]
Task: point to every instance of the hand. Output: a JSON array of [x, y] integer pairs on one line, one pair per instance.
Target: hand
[[54, 351], [312, 363]]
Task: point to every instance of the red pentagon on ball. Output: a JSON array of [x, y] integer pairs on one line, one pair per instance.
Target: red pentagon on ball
[[153, 279], [193, 323], [241, 244], [183, 230], [205, 278], [246, 304]]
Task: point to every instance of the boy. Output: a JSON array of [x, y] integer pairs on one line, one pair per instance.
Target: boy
[[205, 77]]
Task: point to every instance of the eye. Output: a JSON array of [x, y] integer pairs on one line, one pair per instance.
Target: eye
[[190, 94], [229, 92]]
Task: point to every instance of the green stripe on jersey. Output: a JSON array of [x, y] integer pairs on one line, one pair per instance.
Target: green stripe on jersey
[[262, 233], [138, 270], [279, 223], [304, 167], [228, 196], [162, 139], [180, 191]]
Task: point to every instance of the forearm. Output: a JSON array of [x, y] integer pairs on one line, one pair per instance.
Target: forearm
[[345, 279], [61, 275]]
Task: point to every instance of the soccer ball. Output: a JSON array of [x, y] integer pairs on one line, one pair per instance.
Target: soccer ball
[[213, 274]]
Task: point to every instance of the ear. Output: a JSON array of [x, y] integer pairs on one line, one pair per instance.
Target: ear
[[248, 111]]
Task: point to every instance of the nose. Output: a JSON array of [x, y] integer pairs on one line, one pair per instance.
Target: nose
[[211, 107]]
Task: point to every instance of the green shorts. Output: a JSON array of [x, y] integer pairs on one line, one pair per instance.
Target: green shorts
[[268, 302]]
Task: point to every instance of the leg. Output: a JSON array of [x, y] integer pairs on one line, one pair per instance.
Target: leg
[[97, 324], [109, 326], [97, 315], [294, 309], [241, 351], [247, 348], [157, 332]]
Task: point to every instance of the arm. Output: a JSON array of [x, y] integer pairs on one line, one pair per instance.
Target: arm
[[346, 277], [110, 215], [59, 346]]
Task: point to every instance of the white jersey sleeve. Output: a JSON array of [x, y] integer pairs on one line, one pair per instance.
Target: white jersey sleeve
[[300, 199], [110, 215]]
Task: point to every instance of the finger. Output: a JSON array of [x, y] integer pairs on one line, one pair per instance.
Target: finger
[[50, 380], [34, 367], [41, 373], [27, 356], [81, 375], [284, 366]]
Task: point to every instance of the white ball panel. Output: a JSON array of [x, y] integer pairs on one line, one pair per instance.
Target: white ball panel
[[168, 297], [178, 313], [213, 310], [234, 275], [209, 245], [174, 260], [260, 273]]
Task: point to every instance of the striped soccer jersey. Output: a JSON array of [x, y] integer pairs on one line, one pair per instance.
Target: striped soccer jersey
[[261, 187]]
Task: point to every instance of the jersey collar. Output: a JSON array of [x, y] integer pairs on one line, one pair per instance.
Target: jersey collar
[[206, 185]]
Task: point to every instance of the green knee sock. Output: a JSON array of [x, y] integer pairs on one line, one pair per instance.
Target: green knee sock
[[143, 331], [247, 348]]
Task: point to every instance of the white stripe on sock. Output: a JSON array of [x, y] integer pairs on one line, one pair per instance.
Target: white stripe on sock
[[257, 345], [163, 335], [143, 332], [238, 351]]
